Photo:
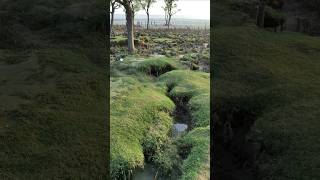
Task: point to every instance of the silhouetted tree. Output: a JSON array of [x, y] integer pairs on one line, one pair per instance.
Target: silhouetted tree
[[261, 13], [145, 5], [113, 5], [170, 9]]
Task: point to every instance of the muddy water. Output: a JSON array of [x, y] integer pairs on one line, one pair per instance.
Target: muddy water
[[179, 129], [148, 173]]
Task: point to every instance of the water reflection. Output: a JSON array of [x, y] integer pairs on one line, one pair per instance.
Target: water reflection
[[179, 129]]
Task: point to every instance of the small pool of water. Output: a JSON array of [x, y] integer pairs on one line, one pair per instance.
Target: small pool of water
[[178, 129], [148, 173]]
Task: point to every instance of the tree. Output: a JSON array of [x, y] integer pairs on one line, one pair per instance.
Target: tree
[[261, 13], [145, 5], [130, 9], [114, 5], [170, 9], [135, 7]]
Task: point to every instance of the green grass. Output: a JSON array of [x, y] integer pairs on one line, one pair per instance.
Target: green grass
[[197, 163], [53, 90], [119, 40], [135, 114], [140, 114], [157, 66], [275, 75], [54, 122], [162, 40], [195, 86]]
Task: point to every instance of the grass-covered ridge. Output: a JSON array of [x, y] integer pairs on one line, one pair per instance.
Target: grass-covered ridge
[[275, 74], [193, 87], [135, 115], [157, 66], [197, 165]]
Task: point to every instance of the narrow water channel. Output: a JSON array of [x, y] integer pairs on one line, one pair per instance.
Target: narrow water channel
[[182, 118], [182, 123], [148, 173]]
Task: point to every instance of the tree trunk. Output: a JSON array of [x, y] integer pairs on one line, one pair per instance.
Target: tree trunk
[[169, 20], [148, 15], [261, 14], [130, 28], [112, 19]]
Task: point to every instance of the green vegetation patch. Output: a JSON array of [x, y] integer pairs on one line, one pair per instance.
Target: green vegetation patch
[[119, 40], [162, 40], [196, 165], [278, 74], [194, 86], [57, 127], [157, 65], [140, 122]]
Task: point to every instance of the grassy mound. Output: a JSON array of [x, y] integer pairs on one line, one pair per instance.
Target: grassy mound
[[140, 117], [157, 66], [275, 74], [195, 87]]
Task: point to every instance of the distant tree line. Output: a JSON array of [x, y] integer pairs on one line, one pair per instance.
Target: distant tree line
[[269, 14]]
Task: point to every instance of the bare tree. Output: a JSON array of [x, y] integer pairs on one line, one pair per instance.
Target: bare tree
[[130, 8], [145, 5], [113, 5], [170, 9]]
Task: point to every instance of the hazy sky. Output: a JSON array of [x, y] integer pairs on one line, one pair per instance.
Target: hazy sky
[[193, 9]]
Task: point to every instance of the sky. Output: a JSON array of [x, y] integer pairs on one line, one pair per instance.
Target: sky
[[190, 9]]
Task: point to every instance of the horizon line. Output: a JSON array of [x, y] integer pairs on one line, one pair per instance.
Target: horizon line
[[174, 17]]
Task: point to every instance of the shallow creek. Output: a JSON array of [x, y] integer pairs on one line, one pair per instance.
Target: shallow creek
[[182, 124]]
